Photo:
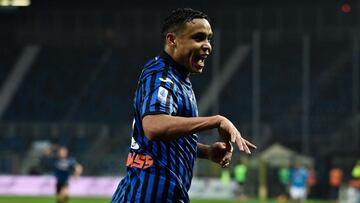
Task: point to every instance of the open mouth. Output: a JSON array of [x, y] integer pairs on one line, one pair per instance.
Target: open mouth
[[200, 61]]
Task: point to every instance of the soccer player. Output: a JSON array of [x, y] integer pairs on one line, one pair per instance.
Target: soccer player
[[335, 181], [298, 183], [240, 172], [164, 143], [64, 166]]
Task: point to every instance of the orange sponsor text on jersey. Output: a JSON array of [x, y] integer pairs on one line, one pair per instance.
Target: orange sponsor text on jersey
[[140, 161]]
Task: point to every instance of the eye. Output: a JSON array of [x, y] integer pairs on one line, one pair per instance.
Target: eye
[[199, 37]]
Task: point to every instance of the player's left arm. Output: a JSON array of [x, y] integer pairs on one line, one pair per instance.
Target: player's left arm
[[218, 152], [78, 169]]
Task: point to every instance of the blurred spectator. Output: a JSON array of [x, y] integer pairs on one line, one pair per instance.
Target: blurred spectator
[[312, 180], [298, 183], [356, 171], [225, 177], [335, 180], [283, 175], [355, 181], [240, 172]]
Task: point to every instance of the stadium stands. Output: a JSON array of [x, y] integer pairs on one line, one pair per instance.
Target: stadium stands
[[8, 56]]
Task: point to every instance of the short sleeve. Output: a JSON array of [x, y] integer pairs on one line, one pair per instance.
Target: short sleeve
[[158, 97], [72, 163]]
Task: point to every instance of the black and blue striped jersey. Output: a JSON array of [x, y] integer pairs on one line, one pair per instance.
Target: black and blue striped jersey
[[160, 171], [63, 168]]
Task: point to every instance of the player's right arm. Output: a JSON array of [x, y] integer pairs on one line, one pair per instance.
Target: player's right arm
[[167, 127], [158, 103]]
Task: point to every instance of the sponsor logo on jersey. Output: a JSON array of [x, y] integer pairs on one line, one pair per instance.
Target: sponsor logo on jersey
[[140, 161], [166, 80]]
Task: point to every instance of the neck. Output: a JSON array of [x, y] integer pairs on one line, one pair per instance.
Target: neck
[[182, 69]]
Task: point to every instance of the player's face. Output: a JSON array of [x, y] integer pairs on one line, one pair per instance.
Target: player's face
[[192, 45], [62, 152]]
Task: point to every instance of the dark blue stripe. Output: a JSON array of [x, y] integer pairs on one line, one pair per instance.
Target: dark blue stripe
[[128, 190], [145, 185], [161, 189], [181, 161], [135, 190], [119, 191], [153, 97], [149, 188], [167, 174]]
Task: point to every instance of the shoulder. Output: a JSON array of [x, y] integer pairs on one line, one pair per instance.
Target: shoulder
[[72, 160], [158, 73], [152, 67]]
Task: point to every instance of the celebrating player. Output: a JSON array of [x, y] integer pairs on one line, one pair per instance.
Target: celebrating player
[[164, 144], [64, 166]]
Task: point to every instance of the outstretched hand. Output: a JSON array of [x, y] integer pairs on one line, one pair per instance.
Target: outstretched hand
[[229, 133], [221, 153], [78, 171]]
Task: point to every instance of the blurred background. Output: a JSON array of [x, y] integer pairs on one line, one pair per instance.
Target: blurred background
[[285, 72]]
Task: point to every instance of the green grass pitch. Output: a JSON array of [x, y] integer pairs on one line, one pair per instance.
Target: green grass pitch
[[10, 199]]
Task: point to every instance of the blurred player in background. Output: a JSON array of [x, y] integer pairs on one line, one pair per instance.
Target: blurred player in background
[[240, 175], [164, 144], [355, 181], [298, 183], [335, 181], [312, 181], [284, 180], [64, 167]]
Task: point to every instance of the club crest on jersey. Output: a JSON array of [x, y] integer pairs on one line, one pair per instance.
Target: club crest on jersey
[[162, 94]]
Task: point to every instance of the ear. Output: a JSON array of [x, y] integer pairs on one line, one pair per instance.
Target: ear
[[171, 39]]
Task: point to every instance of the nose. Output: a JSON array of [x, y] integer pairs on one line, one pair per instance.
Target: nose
[[206, 47]]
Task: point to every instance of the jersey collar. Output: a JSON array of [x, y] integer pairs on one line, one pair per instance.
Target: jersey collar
[[179, 69]]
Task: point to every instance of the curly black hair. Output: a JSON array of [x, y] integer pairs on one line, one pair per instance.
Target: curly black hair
[[178, 18]]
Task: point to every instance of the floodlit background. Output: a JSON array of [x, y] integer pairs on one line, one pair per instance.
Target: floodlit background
[[285, 72]]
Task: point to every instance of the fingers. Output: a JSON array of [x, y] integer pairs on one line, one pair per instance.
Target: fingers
[[229, 146], [226, 160], [239, 143], [225, 165], [243, 145], [228, 132], [250, 144], [234, 136], [247, 150]]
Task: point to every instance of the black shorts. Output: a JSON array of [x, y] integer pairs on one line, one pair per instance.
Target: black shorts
[[60, 185], [334, 193]]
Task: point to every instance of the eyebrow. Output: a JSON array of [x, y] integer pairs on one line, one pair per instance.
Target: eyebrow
[[202, 34]]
